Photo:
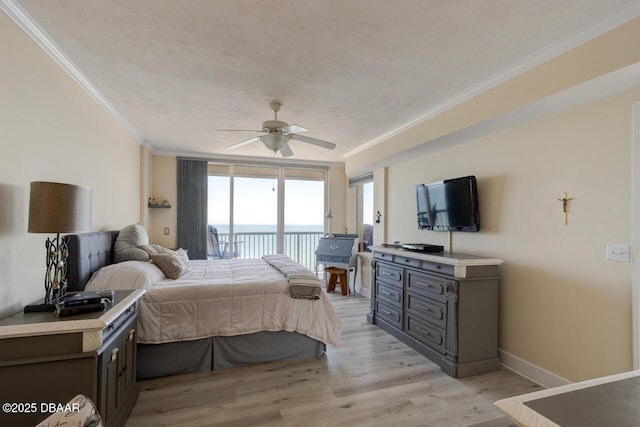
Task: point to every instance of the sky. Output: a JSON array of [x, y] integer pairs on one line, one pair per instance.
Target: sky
[[256, 201]]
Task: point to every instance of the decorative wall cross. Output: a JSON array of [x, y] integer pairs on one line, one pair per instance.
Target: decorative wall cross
[[565, 201]]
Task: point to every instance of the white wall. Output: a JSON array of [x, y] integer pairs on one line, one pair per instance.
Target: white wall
[[564, 309], [51, 130], [563, 306]]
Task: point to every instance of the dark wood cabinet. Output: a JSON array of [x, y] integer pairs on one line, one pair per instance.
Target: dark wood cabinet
[[445, 306], [49, 360]]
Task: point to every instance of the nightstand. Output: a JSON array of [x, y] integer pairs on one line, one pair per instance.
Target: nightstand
[[46, 361]]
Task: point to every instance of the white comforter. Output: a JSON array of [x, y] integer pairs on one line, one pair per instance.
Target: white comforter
[[218, 298]]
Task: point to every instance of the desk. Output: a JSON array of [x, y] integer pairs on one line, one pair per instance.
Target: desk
[[605, 401], [339, 250]]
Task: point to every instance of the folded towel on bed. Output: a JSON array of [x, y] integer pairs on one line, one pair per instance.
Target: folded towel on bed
[[303, 288], [303, 283]]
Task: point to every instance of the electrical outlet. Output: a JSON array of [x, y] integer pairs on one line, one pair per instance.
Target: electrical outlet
[[617, 252], [166, 231]]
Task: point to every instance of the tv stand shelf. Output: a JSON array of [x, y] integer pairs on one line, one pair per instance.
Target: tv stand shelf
[[444, 305]]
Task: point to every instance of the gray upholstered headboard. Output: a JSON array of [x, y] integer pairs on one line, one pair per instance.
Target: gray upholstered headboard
[[87, 253]]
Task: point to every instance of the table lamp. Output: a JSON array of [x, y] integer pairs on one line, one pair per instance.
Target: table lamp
[[57, 208]]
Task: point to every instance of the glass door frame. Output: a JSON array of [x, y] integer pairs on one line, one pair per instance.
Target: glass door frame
[[280, 177]]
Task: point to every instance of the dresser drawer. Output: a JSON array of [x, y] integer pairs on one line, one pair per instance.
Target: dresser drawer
[[426, 333], [427, 309], [383, 255], [410, 262], [389, 273], [436, 267], [389, 313], [390, 294], [112, 327], [427, 285]]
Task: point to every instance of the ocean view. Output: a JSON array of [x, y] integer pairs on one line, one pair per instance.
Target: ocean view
[[254, 241]]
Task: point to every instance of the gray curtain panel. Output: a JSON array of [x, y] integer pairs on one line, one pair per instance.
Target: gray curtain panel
[[191, 231]]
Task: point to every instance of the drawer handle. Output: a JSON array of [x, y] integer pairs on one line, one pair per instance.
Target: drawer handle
[[424, 331], [385, 273], [388, 313], [424, 307], [428, 285], [333, 246], [132, 332], [382, 291], [114, 354]]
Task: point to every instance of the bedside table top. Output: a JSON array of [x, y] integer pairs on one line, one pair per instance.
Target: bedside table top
[[27, 324]]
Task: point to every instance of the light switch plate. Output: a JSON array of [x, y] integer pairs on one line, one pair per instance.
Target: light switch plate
[[617, 252]]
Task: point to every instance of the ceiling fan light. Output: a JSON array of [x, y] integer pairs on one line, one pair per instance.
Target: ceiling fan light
[[275, 141]]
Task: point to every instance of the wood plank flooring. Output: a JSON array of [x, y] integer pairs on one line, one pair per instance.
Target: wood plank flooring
[[372, 379]]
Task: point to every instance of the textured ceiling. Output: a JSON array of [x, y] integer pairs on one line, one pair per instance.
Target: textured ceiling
[[349, 71]]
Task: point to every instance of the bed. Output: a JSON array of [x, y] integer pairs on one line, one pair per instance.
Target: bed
[[220, 314]]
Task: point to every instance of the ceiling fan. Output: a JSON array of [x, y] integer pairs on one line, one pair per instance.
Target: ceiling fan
[[277, 135]]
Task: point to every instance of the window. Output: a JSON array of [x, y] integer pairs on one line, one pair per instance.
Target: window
[[364, 208], [256, 210]]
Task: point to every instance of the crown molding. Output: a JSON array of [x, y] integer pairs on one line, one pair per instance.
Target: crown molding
[[18, 15], [608, 23], [269, 161]]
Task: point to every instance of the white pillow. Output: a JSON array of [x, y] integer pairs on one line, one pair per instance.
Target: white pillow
[[125, 275], [126, 246]]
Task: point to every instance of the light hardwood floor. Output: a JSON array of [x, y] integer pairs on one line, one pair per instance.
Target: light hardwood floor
[[371, 380]]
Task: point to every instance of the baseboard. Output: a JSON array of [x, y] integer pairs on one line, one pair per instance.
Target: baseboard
[[530, 371], [366, 292]]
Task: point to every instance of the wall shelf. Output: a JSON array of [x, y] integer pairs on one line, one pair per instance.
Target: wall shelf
[[158, 205]]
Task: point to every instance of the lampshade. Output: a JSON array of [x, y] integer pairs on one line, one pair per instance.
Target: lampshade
[[329, 214], [59, 208], [275, 141]]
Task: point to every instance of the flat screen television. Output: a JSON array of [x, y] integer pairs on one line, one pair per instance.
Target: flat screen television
[[450, 205]]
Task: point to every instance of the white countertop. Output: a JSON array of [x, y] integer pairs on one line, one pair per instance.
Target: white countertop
[[517, 411], [90, 324], [450, 258]]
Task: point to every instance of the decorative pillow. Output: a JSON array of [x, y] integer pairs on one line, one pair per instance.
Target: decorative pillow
[[182, 254], [128, 242], [170, 264], [152, 249]]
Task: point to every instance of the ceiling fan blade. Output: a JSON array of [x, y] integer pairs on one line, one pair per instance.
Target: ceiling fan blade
[[238, 130], [245, 142], [314, 141], [286, 151], [292, 129]]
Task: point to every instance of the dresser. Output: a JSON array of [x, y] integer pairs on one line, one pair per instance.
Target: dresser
[[443, 305], [46, 360]]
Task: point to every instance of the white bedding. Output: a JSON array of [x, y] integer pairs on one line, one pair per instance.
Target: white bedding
[[218, 298]]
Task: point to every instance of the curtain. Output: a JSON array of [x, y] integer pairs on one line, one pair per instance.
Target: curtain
[[191, 231]]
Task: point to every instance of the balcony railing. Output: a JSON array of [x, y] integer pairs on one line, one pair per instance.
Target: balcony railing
[[299, 245]]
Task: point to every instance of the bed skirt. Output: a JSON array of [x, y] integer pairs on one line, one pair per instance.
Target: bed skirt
[[204, 355]]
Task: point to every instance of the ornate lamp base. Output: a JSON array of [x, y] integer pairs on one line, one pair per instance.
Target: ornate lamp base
[[55, 279]]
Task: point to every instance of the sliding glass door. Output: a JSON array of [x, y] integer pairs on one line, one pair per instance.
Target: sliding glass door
[[303, 214], [259, 210], [255, 211]]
